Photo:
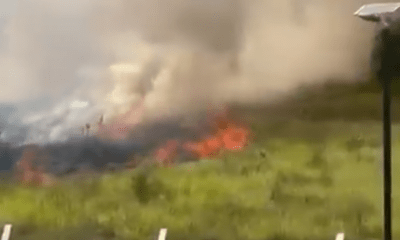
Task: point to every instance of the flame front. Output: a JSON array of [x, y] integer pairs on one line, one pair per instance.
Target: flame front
[[226, 135], [30, 168]]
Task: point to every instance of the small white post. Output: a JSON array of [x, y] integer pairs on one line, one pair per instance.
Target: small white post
[[162, 234], [340, 236], [6, 232]]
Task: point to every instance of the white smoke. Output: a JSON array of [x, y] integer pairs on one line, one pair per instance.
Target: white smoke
[[185, 55]]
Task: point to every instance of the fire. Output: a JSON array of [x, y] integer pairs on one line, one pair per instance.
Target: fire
[[30, 169], [121, 101], [227, 135], [119, 129], [208, 147], [166, 153], [235, 138]]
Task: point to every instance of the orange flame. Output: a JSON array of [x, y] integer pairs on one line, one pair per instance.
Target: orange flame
[[227, 136], [166, 153], [27, 173]]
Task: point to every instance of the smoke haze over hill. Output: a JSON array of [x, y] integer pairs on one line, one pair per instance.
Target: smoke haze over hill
[[89, 58]]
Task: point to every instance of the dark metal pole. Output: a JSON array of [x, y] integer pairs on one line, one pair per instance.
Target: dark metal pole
[[385, 64], [387, 171]]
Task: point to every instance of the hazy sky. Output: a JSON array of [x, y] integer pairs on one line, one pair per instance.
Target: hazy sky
[[8, 111], [7, 7], [7, 10]]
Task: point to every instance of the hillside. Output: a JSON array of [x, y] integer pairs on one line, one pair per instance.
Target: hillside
[[301, 178], [329, 101], [289, 186]]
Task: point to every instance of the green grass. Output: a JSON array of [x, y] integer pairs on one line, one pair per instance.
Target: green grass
[[296, 181]]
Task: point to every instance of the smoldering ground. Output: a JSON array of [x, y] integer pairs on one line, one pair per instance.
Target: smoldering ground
[[92, 153]]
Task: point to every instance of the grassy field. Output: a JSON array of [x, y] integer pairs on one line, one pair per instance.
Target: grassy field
[[298, 180]]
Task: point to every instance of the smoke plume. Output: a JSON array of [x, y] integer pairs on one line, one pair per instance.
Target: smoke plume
[[101, 57]]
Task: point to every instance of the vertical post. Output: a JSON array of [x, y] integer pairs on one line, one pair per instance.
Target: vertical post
[[6, 232], [87, 129], [162, 234], [340, 236], [387, 171]]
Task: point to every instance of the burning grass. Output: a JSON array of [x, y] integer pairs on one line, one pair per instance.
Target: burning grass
[[220, 135], [225, 135], [279, 186]]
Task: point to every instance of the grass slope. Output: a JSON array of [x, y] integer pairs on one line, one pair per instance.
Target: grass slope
[[299, 180]]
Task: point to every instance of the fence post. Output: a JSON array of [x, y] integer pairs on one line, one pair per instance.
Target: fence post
[[162, 234], [339, 236], [6, 232]]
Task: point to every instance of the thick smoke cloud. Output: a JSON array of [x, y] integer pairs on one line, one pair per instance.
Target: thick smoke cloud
[[47, 46], [187, 55], [214, 25]]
